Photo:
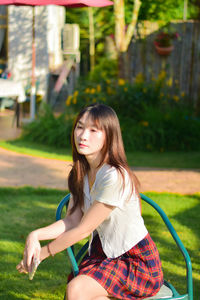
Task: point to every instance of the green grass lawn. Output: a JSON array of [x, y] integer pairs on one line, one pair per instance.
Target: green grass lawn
[[24, 209], [35, 149], [187, 160]]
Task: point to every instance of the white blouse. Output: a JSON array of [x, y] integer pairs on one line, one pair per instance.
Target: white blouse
[[124, 227]]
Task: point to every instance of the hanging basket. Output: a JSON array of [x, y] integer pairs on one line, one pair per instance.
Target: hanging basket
[[164, 51]]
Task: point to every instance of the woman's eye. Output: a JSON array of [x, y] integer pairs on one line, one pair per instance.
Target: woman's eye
[[93, 129]]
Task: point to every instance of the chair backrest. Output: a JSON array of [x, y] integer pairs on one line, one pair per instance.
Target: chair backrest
[[74, 259], [178, 242]]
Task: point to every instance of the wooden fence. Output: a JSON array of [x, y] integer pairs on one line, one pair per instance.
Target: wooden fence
[[182, 66]]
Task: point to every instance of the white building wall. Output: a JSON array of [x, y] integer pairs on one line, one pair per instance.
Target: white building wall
[[49, 21], [56, 21], [19, 43]]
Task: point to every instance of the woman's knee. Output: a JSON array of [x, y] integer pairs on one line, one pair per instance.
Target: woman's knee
[[83, 287], [72, 290], [75, 289]]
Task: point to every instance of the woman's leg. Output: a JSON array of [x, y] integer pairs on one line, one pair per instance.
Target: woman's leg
[[84, 287], [101, 298]]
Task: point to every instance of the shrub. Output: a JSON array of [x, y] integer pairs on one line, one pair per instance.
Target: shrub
[[106, 69], [152, 115], [49, 129]]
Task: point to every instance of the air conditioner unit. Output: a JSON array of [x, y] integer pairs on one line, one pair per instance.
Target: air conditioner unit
[[71, 38]]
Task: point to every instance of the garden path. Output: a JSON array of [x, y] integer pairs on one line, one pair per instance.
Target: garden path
[[21, 170]]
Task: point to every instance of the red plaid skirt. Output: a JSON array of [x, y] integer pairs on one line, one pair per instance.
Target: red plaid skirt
[[133, 275]]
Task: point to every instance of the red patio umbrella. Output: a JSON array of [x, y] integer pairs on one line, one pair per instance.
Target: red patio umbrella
[[67, 3]]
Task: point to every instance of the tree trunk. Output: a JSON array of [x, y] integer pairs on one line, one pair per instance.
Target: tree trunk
[[92, 39], [123, 35], [124, 65], [119, 23]]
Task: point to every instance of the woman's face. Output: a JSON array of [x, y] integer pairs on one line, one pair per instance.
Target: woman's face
[[89, 140]]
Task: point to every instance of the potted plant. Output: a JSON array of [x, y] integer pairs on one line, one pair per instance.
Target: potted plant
[[163, 42]]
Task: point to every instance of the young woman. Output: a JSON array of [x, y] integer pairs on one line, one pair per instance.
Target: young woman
[[122, 260]]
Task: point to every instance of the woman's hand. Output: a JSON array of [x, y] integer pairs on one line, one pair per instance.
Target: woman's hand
[[21, 268], [32, 250]]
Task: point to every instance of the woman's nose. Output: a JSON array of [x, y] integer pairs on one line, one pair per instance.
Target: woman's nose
[[84, 134]]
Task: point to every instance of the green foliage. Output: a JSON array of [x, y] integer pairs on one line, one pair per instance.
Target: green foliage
[[102, 16], [49, 129], [104, 21], [103, 26], [171, 10], [104, 70], [153, 115]]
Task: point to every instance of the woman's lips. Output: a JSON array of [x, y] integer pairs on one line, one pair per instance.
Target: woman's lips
[[82, 145]]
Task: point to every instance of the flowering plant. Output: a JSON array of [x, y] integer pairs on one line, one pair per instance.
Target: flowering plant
[[164, 39]]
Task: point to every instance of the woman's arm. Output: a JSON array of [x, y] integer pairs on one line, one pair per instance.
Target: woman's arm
[[32, 246], [54, 230], [97, 213]]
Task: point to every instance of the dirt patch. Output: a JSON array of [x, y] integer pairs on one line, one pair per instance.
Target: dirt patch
[[21, 170]]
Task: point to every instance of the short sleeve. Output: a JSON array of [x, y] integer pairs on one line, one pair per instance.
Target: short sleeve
[[109, 188]]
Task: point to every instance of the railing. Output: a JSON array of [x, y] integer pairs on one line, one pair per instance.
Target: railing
[[67, 75]]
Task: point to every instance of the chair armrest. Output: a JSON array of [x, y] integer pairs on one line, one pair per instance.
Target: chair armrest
[[64, 203]]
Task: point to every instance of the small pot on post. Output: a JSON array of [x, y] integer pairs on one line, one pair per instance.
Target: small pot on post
[[164, 51]]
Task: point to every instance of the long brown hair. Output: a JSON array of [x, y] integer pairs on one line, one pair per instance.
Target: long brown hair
[[113, 152]]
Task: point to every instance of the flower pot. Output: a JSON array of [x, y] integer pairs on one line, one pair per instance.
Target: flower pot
[[164, 50]]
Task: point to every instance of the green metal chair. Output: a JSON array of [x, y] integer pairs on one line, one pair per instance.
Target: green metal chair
[[167, 291]]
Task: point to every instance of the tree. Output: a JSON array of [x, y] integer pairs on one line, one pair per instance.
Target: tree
[[124, 34], [92, 36], [141, 9], [125, 12], [196, 3], [157, 10]]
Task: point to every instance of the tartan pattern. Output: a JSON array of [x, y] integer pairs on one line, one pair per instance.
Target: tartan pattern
[[133, 275]]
